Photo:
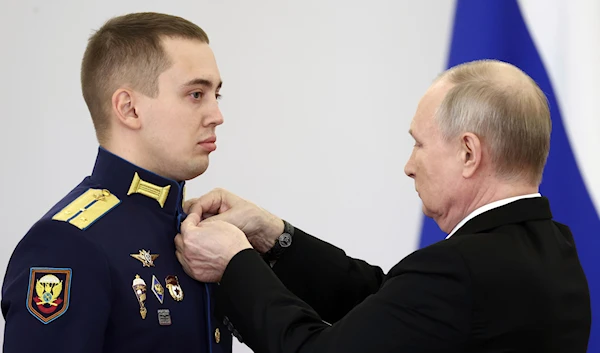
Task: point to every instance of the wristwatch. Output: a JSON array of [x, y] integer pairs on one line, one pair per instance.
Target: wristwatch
[[282, 243]]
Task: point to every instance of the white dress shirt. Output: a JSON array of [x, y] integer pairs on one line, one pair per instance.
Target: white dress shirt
[[490, 206]]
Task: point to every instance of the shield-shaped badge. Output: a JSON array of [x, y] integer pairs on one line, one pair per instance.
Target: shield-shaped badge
[[172, 284], [48, 293]]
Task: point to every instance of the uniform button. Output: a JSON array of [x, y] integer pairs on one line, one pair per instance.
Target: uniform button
[[217, 335]]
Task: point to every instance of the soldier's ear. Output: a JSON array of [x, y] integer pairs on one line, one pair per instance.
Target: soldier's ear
[[123, 107]]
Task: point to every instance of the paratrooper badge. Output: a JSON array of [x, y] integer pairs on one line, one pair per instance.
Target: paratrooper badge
[[48, 292], [139, 288]]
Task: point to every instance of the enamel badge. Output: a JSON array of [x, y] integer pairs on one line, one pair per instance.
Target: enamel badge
[[139, 287], [158, 289], [145, 257], [48, 293], [172, 284]]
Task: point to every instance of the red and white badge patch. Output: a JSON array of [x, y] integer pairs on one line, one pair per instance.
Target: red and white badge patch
[[48, 293]]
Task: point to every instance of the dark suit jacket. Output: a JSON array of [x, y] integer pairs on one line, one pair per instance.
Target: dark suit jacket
[[508, 281]]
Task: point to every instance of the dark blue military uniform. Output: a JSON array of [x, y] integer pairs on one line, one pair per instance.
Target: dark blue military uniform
[[98, 273]]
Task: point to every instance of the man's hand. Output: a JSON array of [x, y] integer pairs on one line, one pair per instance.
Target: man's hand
[[261, 227], [205, 249]]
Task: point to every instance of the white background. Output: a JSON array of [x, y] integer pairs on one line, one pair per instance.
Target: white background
[[318, 97]]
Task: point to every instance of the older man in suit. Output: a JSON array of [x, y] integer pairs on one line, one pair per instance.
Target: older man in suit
[[506, 279]]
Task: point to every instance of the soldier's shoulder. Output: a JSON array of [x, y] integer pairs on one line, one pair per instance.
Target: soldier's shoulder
[[81, 208]]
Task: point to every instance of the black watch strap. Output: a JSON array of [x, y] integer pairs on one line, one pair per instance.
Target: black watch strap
[[282, 243]]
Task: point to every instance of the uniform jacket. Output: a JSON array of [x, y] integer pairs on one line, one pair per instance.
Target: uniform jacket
[[98, 272]]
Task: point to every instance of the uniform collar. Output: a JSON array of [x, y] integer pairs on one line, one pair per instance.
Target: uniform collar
[[126, 180]]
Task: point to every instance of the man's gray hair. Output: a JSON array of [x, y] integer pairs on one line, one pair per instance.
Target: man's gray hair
[[506, 109]]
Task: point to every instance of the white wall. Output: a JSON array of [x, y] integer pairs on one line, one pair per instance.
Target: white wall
[[318, 96]]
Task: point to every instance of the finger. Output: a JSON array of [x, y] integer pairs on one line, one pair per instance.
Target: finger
[[223, 217], [184, 264], [179, 256], [190, 222], [179, 242], [207, 215], [187, 205], [207, 203]]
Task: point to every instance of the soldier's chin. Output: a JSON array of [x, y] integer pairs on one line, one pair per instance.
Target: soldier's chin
[[197, 169]]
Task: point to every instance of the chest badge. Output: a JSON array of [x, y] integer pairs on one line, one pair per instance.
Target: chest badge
[[145, 257], [158, 289], [164, 317], [139, 287], [172, 283]]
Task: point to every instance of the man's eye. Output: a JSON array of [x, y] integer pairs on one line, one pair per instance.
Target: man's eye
[[196, 95]]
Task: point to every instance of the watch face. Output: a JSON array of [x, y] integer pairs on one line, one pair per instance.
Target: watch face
[[285, 240]]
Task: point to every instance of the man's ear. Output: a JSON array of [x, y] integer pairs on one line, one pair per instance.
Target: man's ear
[[123, 106], [470, 153]]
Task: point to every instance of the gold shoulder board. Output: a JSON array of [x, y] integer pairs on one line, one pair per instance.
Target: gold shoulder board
[[87, 208]]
